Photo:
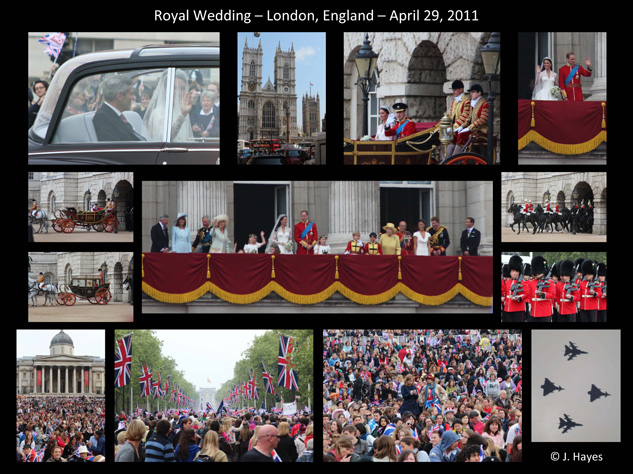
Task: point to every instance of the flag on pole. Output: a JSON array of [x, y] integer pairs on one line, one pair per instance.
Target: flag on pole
[[268, 380], [286, 376], [145, 380], [123, 361]]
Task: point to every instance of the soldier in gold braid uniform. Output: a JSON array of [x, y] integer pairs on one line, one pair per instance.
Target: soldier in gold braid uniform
[[439, 239], [459, 112]]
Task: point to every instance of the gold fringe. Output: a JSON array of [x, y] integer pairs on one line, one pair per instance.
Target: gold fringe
[[561, 148], [315, 298]]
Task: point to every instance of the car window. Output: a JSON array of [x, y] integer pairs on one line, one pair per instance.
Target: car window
[[158, 105]]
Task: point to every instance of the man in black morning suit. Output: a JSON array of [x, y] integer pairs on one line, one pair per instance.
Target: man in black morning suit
[[109, 122], [470, 238], [160, 235]]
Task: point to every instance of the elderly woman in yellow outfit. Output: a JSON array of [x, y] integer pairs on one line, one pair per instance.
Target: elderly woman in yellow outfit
[[389, 241]]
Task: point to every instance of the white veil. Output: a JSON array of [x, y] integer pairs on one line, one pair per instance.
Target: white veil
[[154, 120], [538, 83]]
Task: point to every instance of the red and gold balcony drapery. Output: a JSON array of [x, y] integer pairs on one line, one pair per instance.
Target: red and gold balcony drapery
[[566, 128], [309, 279]]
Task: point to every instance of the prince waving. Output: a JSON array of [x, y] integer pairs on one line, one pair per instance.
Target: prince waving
[[305, 235]]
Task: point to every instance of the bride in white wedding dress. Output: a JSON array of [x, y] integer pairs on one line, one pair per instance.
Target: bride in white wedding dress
[[546, 80]]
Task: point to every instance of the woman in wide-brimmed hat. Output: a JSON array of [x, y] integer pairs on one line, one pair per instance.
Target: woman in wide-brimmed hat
[[390, 242], [180, 236], [220, 235]]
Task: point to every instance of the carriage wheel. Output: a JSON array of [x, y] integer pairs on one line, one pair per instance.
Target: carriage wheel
[[92, 300], [68, 226], [98, 227], [69, 299], [103, 296], [466, 159], [60, 298], [57, 227], [109, 223]]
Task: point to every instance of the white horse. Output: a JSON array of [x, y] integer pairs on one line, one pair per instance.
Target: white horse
[[48, 290], [40, 217]]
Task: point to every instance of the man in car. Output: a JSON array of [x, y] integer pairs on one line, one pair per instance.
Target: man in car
[[109, 122]]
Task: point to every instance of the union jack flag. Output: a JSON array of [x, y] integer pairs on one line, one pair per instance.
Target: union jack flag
[[268, 380], [253, 387], [54, 43], [156, 391], [123, 362], [286, 376], [145, 382]]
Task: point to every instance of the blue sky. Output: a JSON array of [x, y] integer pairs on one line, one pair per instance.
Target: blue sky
[[309, 61]]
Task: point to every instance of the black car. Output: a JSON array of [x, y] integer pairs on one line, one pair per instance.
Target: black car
[[130, 107]]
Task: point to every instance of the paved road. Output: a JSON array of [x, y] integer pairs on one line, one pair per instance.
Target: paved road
[[508, 236], [83, 235], [81, 312]]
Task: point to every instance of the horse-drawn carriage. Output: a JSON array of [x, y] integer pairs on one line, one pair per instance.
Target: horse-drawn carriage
[[87, 287], [68, 218], [424, 147]]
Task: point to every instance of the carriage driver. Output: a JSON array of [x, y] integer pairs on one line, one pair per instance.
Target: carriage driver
[[40, 281]]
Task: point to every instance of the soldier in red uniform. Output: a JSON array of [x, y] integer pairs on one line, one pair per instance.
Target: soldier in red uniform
[[477, 123], [569, 78], [590, 293], [403, 126], [541, 300], [567, 293], [305, 234], [514, 301], [354, 246]]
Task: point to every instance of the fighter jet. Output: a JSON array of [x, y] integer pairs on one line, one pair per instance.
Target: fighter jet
[[548, 387], [572, 351], [567, 424], [596, 393]]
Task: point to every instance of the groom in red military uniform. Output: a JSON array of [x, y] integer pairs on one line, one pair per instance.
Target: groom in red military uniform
[[569, 78], [305, 235], [403, 126]]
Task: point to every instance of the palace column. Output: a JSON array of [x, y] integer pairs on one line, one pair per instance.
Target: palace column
[[353, 205], [59, 379], [66, 384], [599, 65], [50, 384], [74, 380]]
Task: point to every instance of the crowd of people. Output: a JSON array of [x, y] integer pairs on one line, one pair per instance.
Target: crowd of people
[[190, 436], [304, 238], [60, 429], [422, 396]]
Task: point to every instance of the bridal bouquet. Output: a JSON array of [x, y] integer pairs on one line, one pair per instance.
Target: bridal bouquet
[[288, 246], [555, 91]]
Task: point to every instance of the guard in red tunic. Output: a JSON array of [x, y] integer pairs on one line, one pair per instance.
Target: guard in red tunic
[[541, 291], [590, 293], [513, 292], [569, 78], [305, 234], [403, 126], [567, 293]]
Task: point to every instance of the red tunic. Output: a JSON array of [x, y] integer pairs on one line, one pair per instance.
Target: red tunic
[[309, 239], [511, 306], [572, 88], [566, 307], [541, 306], [353, 248], [373, 248], [602, 301], [588, 301], [408, 129]]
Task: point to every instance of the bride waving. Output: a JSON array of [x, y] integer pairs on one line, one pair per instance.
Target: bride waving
[[545, 86]]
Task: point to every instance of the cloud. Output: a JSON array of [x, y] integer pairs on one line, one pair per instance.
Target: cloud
[[304, 53]]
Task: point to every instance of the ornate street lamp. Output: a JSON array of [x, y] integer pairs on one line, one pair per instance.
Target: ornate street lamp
[[365, 60], [491, 57]]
